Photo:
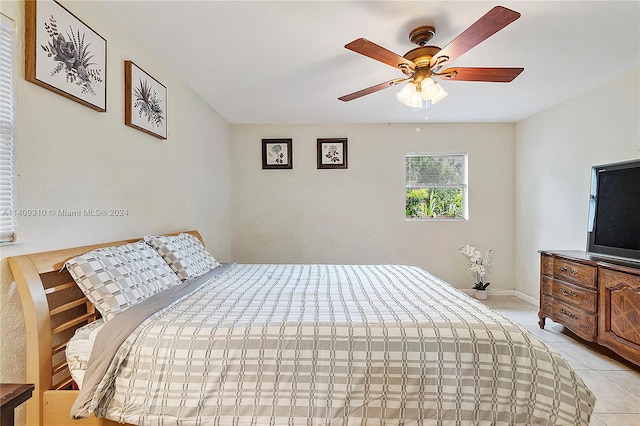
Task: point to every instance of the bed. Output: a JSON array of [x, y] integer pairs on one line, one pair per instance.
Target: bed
[[289, 344]]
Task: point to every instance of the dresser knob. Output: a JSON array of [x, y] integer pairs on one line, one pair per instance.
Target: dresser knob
[[563, 269]]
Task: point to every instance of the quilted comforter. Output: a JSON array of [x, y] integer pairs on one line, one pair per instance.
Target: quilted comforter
[[325, 344]]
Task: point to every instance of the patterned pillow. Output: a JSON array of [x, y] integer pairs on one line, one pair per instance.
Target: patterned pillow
[[184, 253], [115, 278]]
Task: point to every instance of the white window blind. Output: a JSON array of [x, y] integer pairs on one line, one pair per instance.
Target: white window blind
[[7, 127]]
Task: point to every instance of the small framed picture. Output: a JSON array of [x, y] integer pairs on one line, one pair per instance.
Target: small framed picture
[[64, 55], [332, 153], [277, 154], [145, 101]]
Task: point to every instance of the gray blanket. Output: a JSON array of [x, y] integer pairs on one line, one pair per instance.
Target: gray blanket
[[327, 344]]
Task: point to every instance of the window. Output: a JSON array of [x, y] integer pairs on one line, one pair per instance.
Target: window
[[7, 174], [436, 186]]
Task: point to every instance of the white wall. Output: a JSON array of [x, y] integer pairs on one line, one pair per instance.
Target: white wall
[[306, 215], [72, 157], [555, 151]]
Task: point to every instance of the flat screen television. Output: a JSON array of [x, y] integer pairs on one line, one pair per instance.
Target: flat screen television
[[614, 211]]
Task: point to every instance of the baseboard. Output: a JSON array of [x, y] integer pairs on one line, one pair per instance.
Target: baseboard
[[517, 293], [490, 293], [523, 296]]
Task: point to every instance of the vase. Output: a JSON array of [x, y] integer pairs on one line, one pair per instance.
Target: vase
[[481, 294]]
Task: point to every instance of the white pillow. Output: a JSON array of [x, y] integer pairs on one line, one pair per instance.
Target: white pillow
[[184, 253], [79, 348], [115, 278]]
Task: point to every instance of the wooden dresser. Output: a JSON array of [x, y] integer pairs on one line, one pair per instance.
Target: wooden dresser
[[597, 299]]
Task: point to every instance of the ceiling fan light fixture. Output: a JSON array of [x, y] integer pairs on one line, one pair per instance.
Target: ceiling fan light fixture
[[432, 91], [409, 96]]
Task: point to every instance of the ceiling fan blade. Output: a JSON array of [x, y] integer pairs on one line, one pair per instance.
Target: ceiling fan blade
[[379, 53], [372, 89], [498, 75], [492, 22]]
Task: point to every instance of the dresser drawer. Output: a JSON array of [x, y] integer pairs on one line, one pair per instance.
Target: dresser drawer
[[576, 273], [575, 296], [580, 322], [617, 280]]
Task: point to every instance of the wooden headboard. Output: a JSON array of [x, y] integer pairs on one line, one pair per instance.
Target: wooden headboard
[[53, 307]]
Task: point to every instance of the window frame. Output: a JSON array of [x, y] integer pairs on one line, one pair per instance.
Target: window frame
[[464, 187]]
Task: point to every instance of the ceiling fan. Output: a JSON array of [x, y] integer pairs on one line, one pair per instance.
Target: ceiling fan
[[425, 62]]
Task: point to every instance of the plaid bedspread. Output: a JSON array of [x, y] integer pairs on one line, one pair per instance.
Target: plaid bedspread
[[335, 344]]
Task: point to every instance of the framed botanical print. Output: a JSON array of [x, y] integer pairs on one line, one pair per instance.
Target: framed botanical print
[[145, 101], [277, 154], [64, 55], [332, 153]]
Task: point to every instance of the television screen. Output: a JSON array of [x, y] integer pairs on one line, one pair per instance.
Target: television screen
[[614, 222]]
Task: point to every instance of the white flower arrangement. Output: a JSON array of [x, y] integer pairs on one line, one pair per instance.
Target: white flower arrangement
[[478, 263]]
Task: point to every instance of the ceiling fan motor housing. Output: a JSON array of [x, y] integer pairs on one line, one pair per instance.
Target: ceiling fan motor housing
[[422, 35], [421, 56]]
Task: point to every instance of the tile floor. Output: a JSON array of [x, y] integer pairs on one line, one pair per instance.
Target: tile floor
[[614, 381]]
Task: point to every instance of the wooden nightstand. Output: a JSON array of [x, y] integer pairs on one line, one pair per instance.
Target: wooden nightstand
[[12, 395]]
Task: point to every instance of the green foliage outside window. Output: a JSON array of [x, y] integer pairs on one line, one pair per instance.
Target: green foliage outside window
[[434, 202]]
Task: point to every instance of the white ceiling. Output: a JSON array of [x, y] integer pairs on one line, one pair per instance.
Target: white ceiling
[[285, 61]]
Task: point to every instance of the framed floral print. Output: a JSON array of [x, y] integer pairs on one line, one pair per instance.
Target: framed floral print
[[332, 153], [64, 55], [277, 154], [145, 101]]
